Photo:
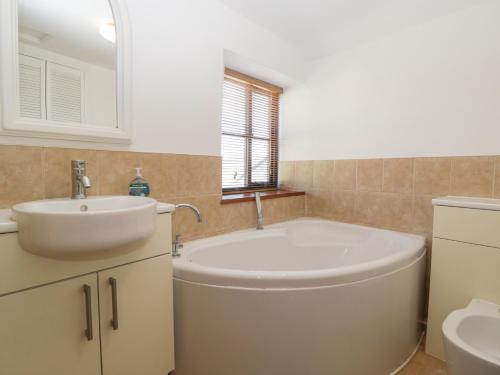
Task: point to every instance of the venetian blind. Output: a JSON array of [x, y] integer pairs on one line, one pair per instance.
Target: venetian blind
[[250, 115]]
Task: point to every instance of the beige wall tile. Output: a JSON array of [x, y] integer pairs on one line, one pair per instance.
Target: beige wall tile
[[344, 175], [199, 175], [369, 208], [57, 169], [309, 204], [21, 175], [160, 170], [240, 215], [319, 202], [291, 207], [323, 174], [303, 174], [342, 205], [397, 211], [273, 210], [295, 207], [423, 214], [398, 176], [432, 176], [28, 173], [286, 171], [282, 209], [116, 171], [497, 177], [369, 175], [472, 176]]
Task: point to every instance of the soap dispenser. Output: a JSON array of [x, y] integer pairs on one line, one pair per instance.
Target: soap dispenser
[[139, 186]]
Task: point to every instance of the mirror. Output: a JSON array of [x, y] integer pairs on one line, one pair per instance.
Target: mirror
[[67, 62], [65, 69]]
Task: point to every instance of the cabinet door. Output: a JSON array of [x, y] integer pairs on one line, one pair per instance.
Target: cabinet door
[[136, 318], [44, 331]]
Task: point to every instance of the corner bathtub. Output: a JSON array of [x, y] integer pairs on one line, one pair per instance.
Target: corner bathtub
[[304, 297]]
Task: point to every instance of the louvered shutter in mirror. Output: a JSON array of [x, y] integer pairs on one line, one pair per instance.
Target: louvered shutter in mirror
[[32, 87], [64, 94]]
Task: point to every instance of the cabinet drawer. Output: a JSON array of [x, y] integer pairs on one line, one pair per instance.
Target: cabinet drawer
[[481, 227]]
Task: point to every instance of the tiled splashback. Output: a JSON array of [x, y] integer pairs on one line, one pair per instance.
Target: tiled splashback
[[386, 193], [389, 193], [31, 173]]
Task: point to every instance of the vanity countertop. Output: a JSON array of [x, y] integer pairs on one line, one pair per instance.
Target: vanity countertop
[[468, 202], [7, 225], [165, 208]]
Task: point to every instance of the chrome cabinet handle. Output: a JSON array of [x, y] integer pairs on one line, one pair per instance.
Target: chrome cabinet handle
[[114, 301], [89, 332]]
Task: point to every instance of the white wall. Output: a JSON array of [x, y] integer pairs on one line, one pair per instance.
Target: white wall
[[100, 96], [427, 90], [178, 70]]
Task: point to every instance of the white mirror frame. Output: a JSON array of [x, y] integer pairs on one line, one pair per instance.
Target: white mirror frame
[[11, 122]]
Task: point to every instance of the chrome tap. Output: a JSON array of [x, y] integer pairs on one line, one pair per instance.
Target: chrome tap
[[197, 212], [177, 244], [79, 181], [260, 217]]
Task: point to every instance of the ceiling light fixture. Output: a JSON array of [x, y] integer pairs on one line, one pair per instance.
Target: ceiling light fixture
[[108, 32]]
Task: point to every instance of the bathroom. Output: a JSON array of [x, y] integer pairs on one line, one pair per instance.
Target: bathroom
[[230, 187]]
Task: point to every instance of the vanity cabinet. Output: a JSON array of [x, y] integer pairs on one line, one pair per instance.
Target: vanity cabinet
[[42, 330], [109, 316], [136, 330]]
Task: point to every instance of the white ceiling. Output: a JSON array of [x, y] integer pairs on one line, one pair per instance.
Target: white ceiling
[[69, 27], [321, 27]]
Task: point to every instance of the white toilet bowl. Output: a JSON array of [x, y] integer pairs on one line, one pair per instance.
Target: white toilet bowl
[[472, 339]]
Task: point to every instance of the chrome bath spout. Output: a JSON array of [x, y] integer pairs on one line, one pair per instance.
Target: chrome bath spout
[[197, 212], [260, 216], [177, 244]]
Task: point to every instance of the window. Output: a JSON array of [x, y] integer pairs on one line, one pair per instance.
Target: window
[[250, 115]]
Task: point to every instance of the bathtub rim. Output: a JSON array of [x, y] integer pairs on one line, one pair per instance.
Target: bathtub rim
[[247, 279], [421, 258]]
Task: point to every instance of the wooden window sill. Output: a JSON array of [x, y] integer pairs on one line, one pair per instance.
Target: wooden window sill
[[250, 196]]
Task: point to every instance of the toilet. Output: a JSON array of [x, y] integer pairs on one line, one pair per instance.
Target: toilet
[[472, 339]]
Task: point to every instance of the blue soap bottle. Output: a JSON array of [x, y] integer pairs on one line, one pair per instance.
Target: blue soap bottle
[[139, 187]]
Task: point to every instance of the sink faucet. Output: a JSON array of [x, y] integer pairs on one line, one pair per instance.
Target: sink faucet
[[79, 181], [260, 217], [177, 244]]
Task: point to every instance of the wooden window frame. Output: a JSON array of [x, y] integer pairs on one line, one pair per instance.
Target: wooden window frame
[[252, 84]]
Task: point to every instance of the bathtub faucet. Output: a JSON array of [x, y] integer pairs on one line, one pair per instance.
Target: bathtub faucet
[[260, 217], [177, 244]]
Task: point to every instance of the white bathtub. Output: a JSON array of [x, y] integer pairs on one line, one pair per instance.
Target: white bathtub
[[305, 297]]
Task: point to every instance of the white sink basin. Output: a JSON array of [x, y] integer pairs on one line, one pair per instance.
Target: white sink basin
[[65, 227], [472, 339]]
